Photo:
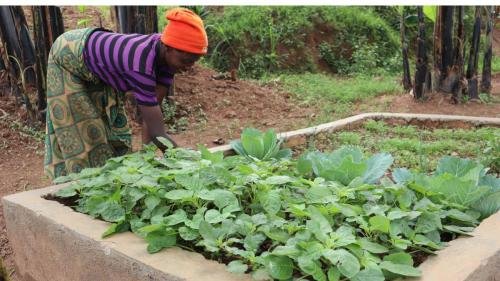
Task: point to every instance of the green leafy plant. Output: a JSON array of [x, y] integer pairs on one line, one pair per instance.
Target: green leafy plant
[[323, 216], [257, 145]]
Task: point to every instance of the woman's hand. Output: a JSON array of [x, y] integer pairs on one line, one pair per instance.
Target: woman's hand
[[153, 126]]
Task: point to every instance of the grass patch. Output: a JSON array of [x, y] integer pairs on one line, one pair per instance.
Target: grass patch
[[335, 95], [419, 148], [318, 88]]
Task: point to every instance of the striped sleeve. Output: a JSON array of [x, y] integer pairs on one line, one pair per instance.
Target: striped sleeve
[[143, 87], [165, 77]]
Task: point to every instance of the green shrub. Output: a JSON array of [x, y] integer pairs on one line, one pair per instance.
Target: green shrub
[[260, 40]]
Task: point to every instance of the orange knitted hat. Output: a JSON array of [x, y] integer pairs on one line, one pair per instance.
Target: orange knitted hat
[[185, 31]]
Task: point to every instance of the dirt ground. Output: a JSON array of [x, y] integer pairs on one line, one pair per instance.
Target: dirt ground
[[216, 110]]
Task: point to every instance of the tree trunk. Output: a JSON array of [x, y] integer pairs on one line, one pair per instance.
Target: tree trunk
[[486, 75], [457, 71], [421, 67], [473, 57], [447, 48], [56, 27], [136, 19], [9, 37], [17, 61], [404, 50], [47, 26], [27, 49], [40, 33], [437, 51]]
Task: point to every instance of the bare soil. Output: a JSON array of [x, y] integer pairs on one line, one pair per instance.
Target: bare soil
[[216, 108]]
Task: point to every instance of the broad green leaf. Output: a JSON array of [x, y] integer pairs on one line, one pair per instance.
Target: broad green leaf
[[369, 274], [346, 171], [277, 180], [237, 267], [179, 216], [179, 194], [166, 142], [401, 175], [333, 274], [375, 209], [349, 210], [344, 236], [187, 233], [116, 228], [312, 268], [290, 251], [344, 152], [113, 212], [399, 258], [298, 210], [270, 201], [405, 199], [160, 239], [260, 274], [279, 267], [152, 201], [428, 222], [221, 198], [270, 142], [207, 231], [396, 214], [95, 205], [399, 243], [401, 269], [346, 262], [277, 234], [215, 157], [491, 181], [190, 182], [252, 242], [151, 228], [459, 229], [459, 215], [237, 146], [244, 224], [283, 154], [259, 219], [377, 165], [253, 142], [380, 223], [430, 12], [213, 216], [488, 205], [420, 239], [318, 217], [319, 194], [372, 247], [67, 191], [455, 166], [456, 190], [304, 165]]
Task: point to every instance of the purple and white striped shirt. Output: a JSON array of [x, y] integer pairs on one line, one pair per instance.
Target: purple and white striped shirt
[[127, 62]]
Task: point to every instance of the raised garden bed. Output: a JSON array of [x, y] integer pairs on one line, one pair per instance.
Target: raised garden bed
[[63, 234]]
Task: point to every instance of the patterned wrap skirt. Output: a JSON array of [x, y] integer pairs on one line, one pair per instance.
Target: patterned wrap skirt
[[86, 119]]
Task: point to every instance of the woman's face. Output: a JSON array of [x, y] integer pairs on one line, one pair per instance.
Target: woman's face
[[180, 61]]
